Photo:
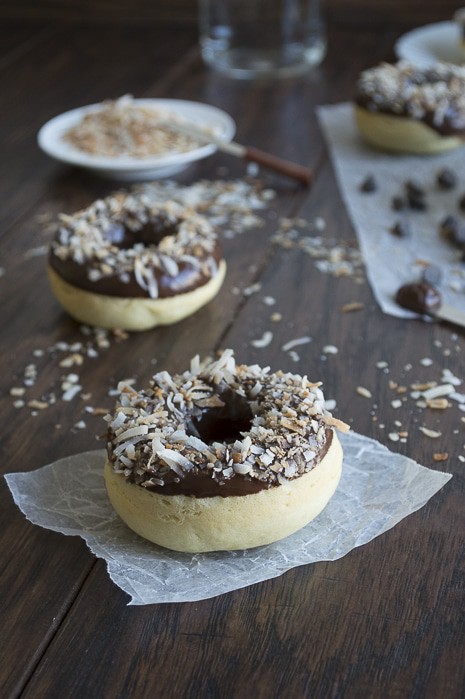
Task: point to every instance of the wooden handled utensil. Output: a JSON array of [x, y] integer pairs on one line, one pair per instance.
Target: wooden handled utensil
[[250, 153]]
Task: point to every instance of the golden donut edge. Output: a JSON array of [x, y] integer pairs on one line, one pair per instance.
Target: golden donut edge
[[194, 525], [402, 134], [133, 314]]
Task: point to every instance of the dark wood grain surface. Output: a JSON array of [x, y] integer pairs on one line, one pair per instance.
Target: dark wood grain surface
[[388, 619]]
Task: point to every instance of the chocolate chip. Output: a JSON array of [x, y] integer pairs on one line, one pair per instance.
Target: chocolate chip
[[399, 203], [419, 297], [369, 185], [401, 228], [446, 179], [416, 202], [462, 203], [414, 189], [453, 230], [432, 275], [448, 226]]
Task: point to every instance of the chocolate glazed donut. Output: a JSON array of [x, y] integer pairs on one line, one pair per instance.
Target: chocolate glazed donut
[[125, 263], [222, 456], [412, 110]]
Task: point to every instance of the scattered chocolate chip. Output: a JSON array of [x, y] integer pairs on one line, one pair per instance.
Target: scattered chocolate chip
[[369, 185], [401, 228], [414, 189], [453, 230], [418, 297], [416, 202], [399, 203], [462, 203], [432, 275], [415, 195], [446, 179]]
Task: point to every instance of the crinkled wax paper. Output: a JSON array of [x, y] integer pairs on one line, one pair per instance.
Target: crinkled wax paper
[[377, 489], [392, 261]]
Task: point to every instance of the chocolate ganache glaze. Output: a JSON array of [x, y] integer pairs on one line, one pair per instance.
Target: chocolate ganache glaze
[[219, 428], [223, 424], [188, 276], [200, 484], [124, 246], [433, 95]]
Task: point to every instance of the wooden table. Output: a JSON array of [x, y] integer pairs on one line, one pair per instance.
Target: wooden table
[[387, 620]]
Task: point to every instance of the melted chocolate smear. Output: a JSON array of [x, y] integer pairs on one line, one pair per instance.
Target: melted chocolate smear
[[150, 233], [223, 424], [419, 297]]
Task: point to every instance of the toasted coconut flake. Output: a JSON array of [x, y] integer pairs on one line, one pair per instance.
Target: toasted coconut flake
[[364, 392], [170, 457], [136, 431], [263, 341], [432, 434], [296, 343], [289, 420]]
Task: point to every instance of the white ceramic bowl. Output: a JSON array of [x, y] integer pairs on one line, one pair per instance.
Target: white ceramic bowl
[[132, 169]]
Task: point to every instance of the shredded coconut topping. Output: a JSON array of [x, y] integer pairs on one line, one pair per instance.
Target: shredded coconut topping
[[87, 239], [148, 433], [437, 91], [124, 127]]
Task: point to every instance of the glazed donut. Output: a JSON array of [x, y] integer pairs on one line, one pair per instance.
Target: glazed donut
[[128, 263], [222, 456], [408, 109]]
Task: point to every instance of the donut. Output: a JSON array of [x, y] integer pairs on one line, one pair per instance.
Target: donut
[[222, 456], [126, 262], [407, 109]]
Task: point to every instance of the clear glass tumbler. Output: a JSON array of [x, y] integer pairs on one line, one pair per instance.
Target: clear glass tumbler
[[254, 38]]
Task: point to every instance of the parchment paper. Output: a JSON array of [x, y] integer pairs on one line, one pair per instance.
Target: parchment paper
[[391, 261], [377, 490]]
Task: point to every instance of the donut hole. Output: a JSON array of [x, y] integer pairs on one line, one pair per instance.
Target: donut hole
[[151, 232], [223, 424]]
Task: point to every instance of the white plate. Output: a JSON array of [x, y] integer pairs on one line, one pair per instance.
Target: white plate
[[431, 43], [130, 169]]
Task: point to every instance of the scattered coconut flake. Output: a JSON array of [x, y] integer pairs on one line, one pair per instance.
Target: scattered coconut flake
[[396, 403], [36, 252], [438, 403], [426, 361], [71, 392], [263, 341], [252, 289], [432, 434], [363, 392], [330, 349], [438, 391], [353, 306], [296, 343], [37, 404], [449, 377]]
